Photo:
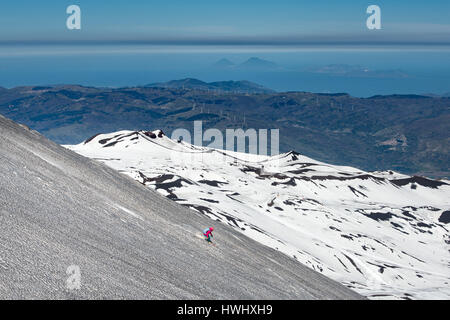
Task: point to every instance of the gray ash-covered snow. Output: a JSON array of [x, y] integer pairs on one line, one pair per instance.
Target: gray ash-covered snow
[[59, 209]]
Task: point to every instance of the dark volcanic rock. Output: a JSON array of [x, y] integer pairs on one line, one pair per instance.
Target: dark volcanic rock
[[445, 217]]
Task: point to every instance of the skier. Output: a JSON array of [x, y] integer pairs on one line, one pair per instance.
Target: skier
[[208, 234]]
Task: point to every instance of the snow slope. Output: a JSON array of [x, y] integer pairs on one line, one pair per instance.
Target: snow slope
[[382, 234], [59, 210]]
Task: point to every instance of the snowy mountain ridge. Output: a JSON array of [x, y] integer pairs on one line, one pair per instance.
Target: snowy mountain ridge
[[383, 234]]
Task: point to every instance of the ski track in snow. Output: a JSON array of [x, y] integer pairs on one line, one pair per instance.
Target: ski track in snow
[[378, 233]]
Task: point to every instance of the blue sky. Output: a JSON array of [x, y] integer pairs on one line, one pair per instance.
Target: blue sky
[[134, 42], [222, 21]]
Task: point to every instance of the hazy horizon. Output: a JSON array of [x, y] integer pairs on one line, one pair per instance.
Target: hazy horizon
[[400, 71], [132, 43]]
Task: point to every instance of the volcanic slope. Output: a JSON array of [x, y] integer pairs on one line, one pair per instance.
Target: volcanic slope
[[60, 211]]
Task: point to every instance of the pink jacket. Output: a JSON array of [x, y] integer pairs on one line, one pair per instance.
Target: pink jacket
[[207, 232]]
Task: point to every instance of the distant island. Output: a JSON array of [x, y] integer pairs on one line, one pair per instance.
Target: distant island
[[357, 71], [253, 63]]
